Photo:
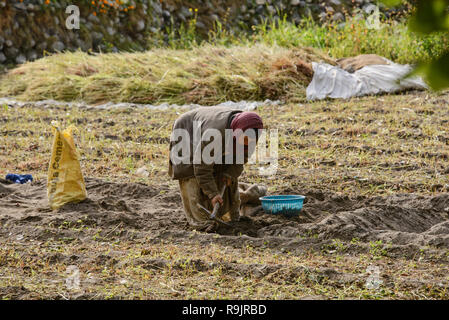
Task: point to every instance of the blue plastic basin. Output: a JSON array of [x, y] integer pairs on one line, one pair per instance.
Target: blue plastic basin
[[288, 205]]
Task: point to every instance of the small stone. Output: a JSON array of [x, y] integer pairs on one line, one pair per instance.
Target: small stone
[[31, 55], [21, 59], [271, 10], [322, 15], [296, 18], [11, 52], [42, 46], [294, 2], [338, 17], [200, 25], [110, 31], [2, 57], [308, 12], [96, 36], [156, 7], [58, 46], [143, 172], [166, 14], [93, 19], [341, 26], [260, 2], [186, 12], [20, 6], [140, 25], [82, 45], [369, 8]]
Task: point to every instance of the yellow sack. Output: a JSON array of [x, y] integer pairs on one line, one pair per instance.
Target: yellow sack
[[65, 181]]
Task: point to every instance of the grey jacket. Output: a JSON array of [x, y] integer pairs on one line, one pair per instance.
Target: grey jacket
[[206, 174]]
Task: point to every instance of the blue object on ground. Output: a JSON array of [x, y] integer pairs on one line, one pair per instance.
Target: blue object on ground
[[288, 205], [19, 178]]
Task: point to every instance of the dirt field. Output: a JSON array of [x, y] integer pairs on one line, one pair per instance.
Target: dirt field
[[374, 172]]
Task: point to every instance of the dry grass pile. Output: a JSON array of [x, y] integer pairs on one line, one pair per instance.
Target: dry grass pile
[[205, 75]]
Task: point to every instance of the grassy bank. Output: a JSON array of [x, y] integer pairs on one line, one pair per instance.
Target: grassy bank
[[271, 63]]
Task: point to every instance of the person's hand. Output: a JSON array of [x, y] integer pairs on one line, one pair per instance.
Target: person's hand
[[217, 199]]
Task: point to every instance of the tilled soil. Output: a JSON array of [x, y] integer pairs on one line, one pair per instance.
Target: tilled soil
[[402, 225], [374, 172]]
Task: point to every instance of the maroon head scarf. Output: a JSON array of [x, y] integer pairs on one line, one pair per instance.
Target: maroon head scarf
[[246, 120]]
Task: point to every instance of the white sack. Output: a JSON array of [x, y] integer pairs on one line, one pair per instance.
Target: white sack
[[334, 82]]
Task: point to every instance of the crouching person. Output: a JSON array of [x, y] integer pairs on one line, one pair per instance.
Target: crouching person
[[208, 148]]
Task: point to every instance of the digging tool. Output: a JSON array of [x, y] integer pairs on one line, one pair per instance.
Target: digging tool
[[213, 214]]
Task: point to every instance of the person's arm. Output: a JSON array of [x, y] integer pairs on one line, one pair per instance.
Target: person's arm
[[233, 170], [204, 174]]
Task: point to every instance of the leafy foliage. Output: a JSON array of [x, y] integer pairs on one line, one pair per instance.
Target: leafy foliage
[[431, 16]]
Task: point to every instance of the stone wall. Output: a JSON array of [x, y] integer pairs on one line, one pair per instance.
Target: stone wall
[[29, 28]]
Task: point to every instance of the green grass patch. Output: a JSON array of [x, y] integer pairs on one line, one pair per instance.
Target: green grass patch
[[391, 39]]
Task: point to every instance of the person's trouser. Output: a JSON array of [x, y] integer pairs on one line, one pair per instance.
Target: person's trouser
[[192, 195]]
